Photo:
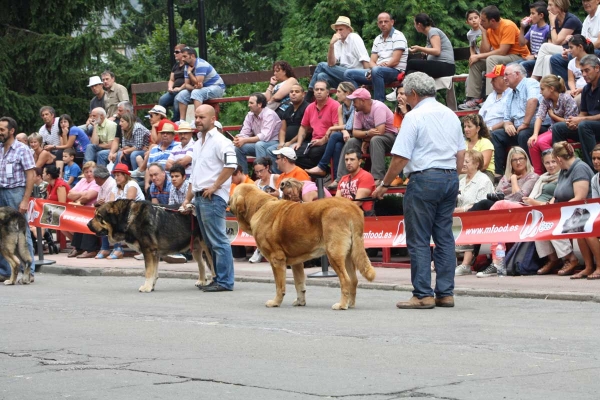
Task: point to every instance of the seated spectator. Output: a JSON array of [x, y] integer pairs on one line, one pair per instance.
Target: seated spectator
[[107, 184], [84, 194], [286, 163], [473, 187], [182, 152], [238, 178], [358, 184], [103, 133], [157, 154], [259, 131], [590, 246], [477, 137], [71, 137], [41, 157], [22, 137], [158, 119], [280, 84], [202, 82], [439, 50], [176, 83], [160, 188], [136, 139], [346, 51], [580, 47], [110, 155], [50, 131], [499, 45], [590, 30], [97, 88], [492, 110], [564, 24], [57, 187], [573, 185], [71, 170], [300, 191], [114, 94], [538, 33], [373, 131], [557, 105], [388, 58], [266, 178], [338, 134], [290, 122], [318, 118], [585, 127], [519, 114], [125, 188], [179, 188]]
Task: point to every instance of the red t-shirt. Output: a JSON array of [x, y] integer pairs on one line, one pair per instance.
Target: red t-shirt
[[52, 195], [321, 120], [349, 186]]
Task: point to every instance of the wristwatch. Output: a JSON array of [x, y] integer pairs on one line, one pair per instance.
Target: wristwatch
[[384, 185]]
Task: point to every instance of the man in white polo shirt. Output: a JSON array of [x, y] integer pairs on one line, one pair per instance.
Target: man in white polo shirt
[[213, 163]]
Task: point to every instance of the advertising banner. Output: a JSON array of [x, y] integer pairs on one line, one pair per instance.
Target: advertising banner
[[556, 221]]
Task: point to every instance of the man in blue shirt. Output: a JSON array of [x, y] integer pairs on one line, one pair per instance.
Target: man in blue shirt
[[160, 189]]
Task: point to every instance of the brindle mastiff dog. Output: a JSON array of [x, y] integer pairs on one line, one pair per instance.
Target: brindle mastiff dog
[[288, 233], [13, 244], [154, 231]]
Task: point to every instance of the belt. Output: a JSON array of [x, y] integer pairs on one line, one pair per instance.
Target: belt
[[447, 171], [200, 193]]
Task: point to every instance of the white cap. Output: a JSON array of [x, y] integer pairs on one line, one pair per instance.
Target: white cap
[[95, 80], [158, 110], [218, 125], [286, 152]]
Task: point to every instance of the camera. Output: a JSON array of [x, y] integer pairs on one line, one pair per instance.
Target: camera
[[497, 196]]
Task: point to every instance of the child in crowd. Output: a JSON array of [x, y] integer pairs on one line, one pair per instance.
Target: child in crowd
[[579, 46], [474, 34], [71, 171], [180, 185], [537, 35]]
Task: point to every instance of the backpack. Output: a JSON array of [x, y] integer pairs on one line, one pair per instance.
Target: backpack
[[522, 259]]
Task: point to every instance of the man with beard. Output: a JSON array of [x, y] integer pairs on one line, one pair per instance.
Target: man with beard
[[358, 184]]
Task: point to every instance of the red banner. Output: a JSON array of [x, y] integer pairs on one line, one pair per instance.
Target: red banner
[[557, 221]]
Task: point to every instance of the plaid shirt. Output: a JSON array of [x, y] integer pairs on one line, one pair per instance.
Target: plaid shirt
[[20, 159], [177, 196], [140, 137]]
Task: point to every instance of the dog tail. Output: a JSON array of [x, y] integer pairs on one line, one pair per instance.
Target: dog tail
[[358, 253]]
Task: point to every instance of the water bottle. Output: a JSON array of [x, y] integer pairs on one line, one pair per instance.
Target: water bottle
[[499, 254]]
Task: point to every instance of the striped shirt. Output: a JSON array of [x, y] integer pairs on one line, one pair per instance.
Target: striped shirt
[[266, 125], [384, 48], [203, 68], [177, 195], [158, 155], [179, 152]]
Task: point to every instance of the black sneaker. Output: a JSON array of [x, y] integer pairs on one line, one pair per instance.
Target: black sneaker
[[215, 288]]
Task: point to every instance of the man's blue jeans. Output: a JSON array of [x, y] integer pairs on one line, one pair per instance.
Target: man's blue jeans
[[334, 75], [211, 218], [91, 154], [167, 100], [380, 76], [428, 206], [588, 134], [12, 198], [334, 147], [258, 149]]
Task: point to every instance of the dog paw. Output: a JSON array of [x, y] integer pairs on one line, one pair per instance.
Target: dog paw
[[272, 303], [8, 282], [338, 306], [299, 303], [146, 289]]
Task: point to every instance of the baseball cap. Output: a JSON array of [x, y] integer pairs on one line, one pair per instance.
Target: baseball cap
[[218, 125], [95, 80], [286, 152], [497, 71], [157, 110], [360, 93]]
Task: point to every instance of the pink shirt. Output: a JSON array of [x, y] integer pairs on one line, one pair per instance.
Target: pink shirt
[[321, 120], [380, 114], [310, 186], [84, 185]]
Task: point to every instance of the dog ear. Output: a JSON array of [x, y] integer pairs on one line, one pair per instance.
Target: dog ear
[[239, 205]]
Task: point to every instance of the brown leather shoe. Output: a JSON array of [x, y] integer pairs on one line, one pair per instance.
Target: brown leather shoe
[[74, 253], [549, 268], [88, 254], [416, 303], [447, 301]]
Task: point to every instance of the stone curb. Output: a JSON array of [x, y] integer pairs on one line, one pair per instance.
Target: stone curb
[[509, 294]]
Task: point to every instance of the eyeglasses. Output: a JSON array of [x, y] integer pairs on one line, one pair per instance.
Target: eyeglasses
[[518, 160], [284, 184], [259, 171]]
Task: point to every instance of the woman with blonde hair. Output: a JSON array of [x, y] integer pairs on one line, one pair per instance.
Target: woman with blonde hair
[[41, 157], [300, 191], [556, 104]]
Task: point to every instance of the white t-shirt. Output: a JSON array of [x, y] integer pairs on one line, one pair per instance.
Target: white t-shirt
[[351, 52], [579, 81], [122, 194]]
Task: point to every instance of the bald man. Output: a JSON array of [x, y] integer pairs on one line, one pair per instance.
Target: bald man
[[22, 137], [213, 163], [103, 133]]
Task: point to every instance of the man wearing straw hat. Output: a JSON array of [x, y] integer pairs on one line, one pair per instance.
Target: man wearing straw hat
[[346, 51]]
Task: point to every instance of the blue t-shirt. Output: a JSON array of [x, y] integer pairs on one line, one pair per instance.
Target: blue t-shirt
[[161, 195], [69, 171], [537, 36], [203, 68], [81, 139]]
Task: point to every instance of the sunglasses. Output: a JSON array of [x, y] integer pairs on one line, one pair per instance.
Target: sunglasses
[[177, 52]]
